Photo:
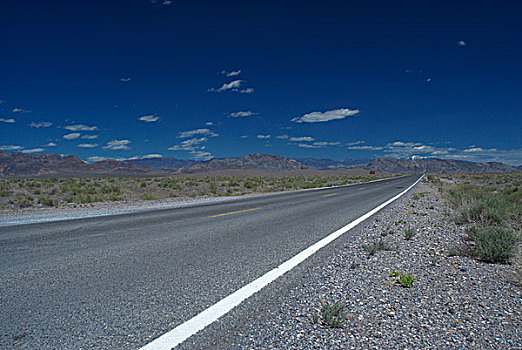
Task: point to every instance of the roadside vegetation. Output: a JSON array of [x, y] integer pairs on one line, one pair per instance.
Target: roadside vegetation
[[59, 192], [490, 205]]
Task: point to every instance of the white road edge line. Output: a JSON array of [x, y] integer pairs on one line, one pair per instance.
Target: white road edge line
[[185, 330]]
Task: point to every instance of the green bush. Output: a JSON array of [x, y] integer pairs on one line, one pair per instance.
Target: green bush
[[494, 244], [373, 248], [409, 233], [332, 315]]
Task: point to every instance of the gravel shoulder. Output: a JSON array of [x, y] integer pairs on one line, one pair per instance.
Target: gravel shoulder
[[455, 302]]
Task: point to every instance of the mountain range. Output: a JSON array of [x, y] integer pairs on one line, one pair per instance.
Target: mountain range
[[18, 164]]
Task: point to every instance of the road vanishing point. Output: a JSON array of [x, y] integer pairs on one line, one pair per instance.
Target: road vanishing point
[[160, 279]]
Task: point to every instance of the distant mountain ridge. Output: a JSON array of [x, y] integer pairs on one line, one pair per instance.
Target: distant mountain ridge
[[18, 164], [435, 165]]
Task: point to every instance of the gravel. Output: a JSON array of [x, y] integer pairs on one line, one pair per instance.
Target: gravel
[[455, 302]]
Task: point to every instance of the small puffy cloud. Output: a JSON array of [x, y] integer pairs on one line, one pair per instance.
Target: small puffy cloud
[[2, 101], [244, 137], [354, 143], [50, 144], [232, 73], [41, 125], [32, 150], [264, 136], [11, 147], [125, 80], [89, 137], [72, 136], [302, 139], [209, 123], [428, 80], [20, 110], [88, 145], [201, 155], [241, 114], [152, 156], [80, 127], [95, 159], [189, 145], [324, 143], [117, 145], [461, 43], [365, 148], [149, 118], [282, 137], [234, 84], [307, 145], [316, 117], [190, 133], [9, 121]]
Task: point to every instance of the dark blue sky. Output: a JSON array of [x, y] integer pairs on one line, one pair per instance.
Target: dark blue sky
[[201, 79]]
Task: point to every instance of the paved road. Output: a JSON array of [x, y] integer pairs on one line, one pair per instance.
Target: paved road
[[121, 281]]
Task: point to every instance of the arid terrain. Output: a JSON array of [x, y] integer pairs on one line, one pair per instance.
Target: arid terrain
[[18, 194]]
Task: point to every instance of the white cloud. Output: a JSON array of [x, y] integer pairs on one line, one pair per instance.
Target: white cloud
[[88, 145], [428, 80], [244, 137], [190, 133], [282, 137], [264, 136], [232, 73], [152, 156], [149, 118], [41, 124], [316, 117], [242, 114], [189, 145], [95, 159], [89, 137], [209, 123], [354, 143], [167, 2], [32, 150], [366, 148], [117, 145], [323, 143], [474, 150], [72, 136], [20, 110], [10, 120], [50, 144], [80, 127], [302, 138], [461, 43], [307, 145], [2, 101], [234, 84], [201, 155], [126, 80], [11, 147]]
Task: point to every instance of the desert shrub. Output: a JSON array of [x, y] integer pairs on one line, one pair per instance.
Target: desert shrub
[[375, 247], [332, 315], [409, 233], [494, 244]]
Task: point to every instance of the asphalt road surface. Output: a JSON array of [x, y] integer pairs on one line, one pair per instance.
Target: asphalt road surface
[[120, 281]]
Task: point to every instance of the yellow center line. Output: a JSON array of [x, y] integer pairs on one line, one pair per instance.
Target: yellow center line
[[234, 212], [362, 188], [329, 195]]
